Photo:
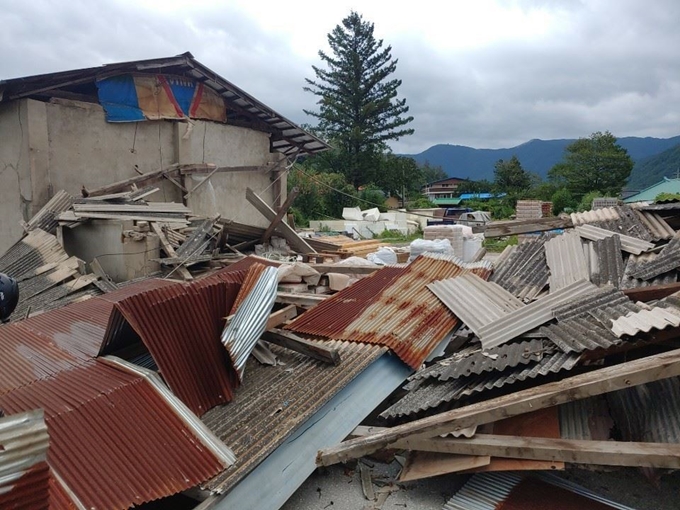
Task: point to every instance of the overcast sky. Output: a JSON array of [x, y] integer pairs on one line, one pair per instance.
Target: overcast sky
[[487, 74]]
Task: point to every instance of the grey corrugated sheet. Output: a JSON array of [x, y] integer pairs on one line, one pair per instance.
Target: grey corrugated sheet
[[473, 300], [46, 218], [496, 359], [586, 419], [605, 261], [584, 323], [645, 320], [250, 320], [662, 206], [37, 249], [635, 261], [618, 219], [438, 368], [649, 412], [667, 260], [566, 261], [428, 394], [658, 227], [524, 273], [487, 491], [629, 244], [531, 316]]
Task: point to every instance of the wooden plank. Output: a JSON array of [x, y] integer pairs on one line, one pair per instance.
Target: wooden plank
[[169, 250], [295, 241], [107, 282], [597, 382], [281, 316], [124, 185], [653, 292], [421, 464], [303, 346], [123, 217], [508, 228], [303, 300], [604, 453], [346, 269], [279, 215]]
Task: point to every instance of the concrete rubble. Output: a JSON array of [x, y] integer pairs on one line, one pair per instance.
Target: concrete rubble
[[560, 353]]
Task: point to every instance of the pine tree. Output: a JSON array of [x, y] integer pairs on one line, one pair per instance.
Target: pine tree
[[358, 106]]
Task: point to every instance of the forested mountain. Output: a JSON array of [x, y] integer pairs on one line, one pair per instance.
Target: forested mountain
[[536, 156]]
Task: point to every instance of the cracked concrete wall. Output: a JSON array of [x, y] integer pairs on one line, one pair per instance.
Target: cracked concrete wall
[[15, 177], [63, 144]]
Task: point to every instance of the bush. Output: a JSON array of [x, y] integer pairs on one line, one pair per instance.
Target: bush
[[586, 203], [562, 200]]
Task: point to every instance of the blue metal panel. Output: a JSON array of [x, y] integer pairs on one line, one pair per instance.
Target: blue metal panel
[[279, 476]]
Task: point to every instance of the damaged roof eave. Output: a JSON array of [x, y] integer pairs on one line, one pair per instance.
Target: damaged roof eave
[[294, 140]]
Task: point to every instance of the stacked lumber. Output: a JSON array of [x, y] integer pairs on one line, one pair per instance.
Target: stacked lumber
[[348, 247]]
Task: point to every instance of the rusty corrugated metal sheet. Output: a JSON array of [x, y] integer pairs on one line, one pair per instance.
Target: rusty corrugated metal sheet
[[400, 311], [60, 497], [179, 326], [24, 473], [27, 357], [277, 400], [106, 427], [524, 272], [252, 275]]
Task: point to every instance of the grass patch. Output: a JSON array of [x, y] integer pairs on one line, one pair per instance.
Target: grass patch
[[498, 244]]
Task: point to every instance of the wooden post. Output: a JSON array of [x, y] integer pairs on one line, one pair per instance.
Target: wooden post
[[279, 215]]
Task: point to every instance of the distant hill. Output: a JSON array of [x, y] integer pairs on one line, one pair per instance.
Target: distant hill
[[650, 170], [536, 155]]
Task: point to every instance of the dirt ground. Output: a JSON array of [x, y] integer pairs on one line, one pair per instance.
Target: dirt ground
[[339, 488]]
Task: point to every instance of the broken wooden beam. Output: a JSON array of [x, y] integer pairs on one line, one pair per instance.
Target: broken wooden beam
[[294, 240], [279, 215], [281, 316], [169, 250], [597, 382], [515, 227], [653, 292], [604, 453], [303, 346]]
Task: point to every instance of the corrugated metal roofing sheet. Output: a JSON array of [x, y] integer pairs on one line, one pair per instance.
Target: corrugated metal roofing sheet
[[630, 244], [105, 427], [489, 491], [566, 261], [24, 473], [605, 261], [636, 261], [531, 316], [473, 300], [428, 393], [37, 249], [179, 325], [649, 412], [250, 319], [586, 419], [667, 260], [397, 309], [277, 400], [46, 218], [645, 320], [524, 273], [627, 221], [658, 227]]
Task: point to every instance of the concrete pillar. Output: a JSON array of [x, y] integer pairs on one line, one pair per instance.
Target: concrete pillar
[[38, 155]]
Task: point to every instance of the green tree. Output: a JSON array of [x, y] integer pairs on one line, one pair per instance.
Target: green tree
[[511, 178], [483, 186], [358, 106], [562, 200], [596, 163], [432, 173], [322, 195], [399, 176]]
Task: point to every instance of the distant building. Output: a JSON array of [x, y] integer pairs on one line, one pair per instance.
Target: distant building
[[443, 188], [668, 185]]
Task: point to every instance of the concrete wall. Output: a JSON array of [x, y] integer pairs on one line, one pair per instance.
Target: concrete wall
[[45, 147], [122, 257]]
